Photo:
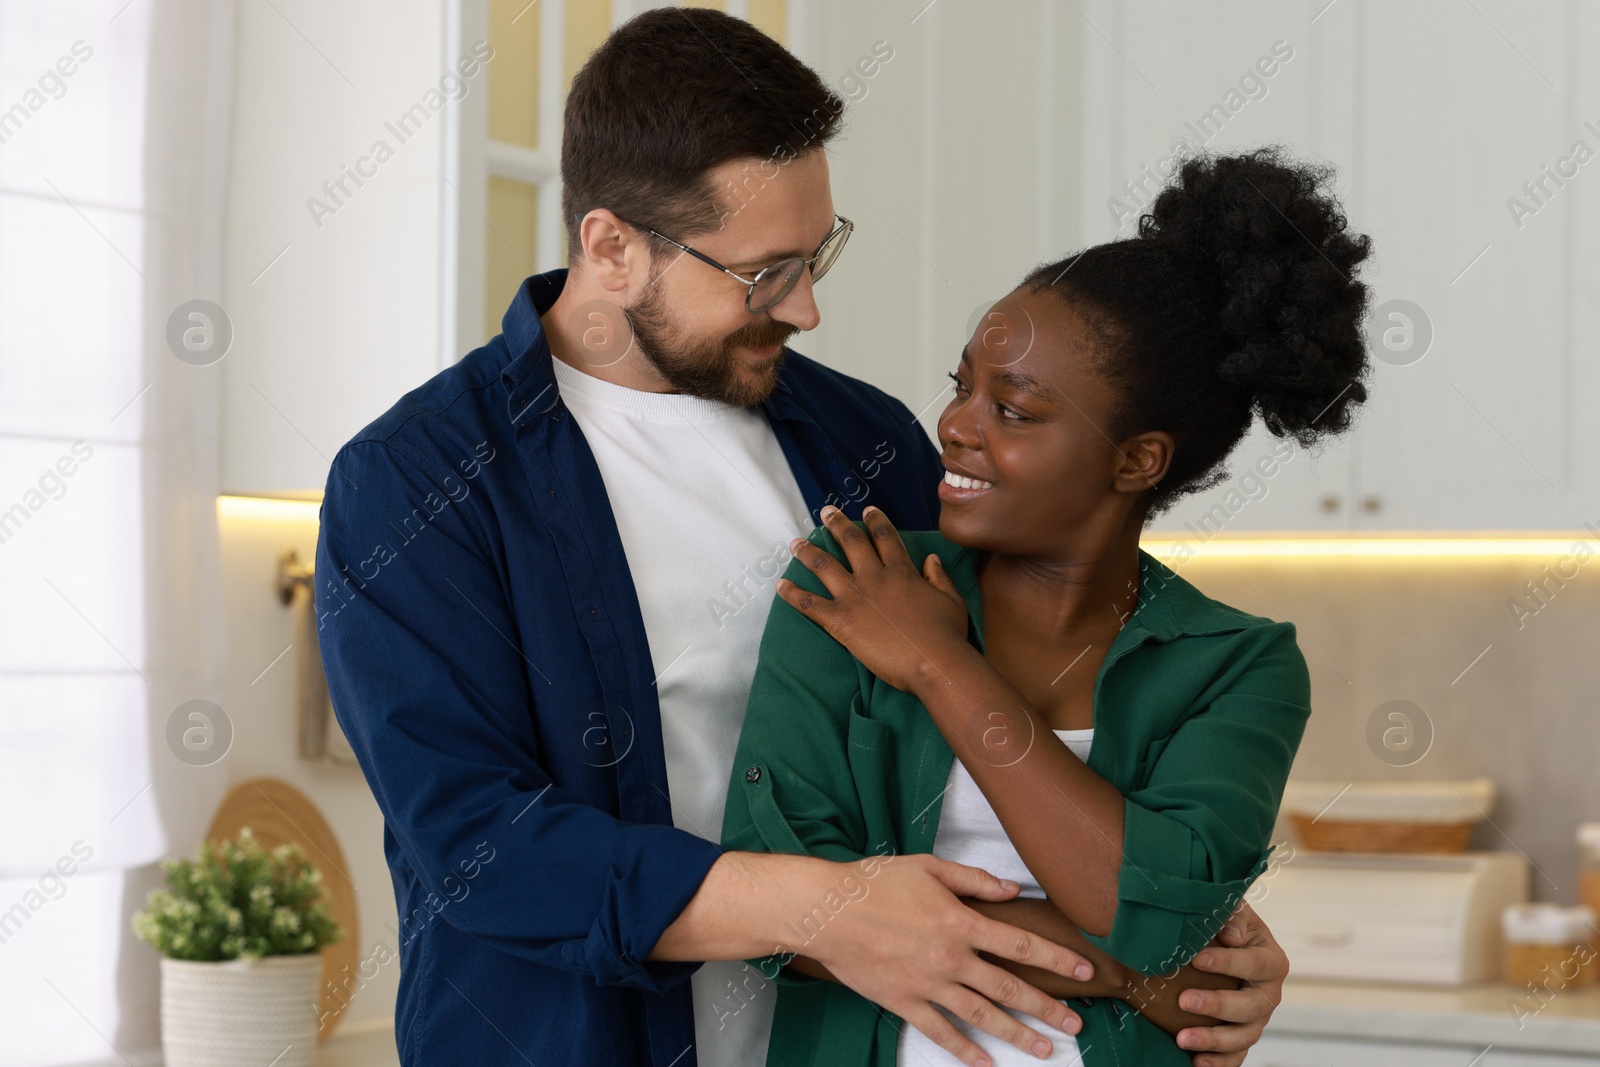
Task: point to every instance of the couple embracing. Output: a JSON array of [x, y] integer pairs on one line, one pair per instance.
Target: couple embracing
[[984, 781]]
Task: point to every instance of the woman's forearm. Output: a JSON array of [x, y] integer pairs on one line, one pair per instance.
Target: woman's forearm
[[1153, 996], [1065, 821], [1111, 978]]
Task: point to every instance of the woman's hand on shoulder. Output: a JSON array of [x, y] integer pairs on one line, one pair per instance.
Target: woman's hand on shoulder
[[899, 620]]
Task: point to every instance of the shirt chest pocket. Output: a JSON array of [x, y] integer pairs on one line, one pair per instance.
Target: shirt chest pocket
[[846, 806], [871, 754]]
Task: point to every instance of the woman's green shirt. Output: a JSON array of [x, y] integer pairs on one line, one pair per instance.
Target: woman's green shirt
[[1198, 710]]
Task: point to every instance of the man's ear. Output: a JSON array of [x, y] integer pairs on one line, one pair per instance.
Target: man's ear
[[615, 254], [1142, 461]]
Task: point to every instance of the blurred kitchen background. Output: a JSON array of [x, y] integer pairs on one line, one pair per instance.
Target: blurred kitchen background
[[211, 277]]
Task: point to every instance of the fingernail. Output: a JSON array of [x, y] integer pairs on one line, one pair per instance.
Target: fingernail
[[1204, 960], [1186, 1040], [796, 543], [869, 507], [829, 511], [1041, 1048], [1083, 972], [1008, 885], [1232, 928], [1191, 1002]]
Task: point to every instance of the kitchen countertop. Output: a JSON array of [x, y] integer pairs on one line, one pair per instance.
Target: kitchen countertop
[[367, 1044], [1478, 1015], [1475, 1015]]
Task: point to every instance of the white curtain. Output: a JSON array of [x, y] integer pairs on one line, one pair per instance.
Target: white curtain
[[113, 149]]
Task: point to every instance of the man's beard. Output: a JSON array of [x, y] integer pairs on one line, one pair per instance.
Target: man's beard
[[710, 369]]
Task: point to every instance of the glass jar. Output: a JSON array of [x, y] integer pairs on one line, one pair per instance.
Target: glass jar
[[1589, 891], [1545, 945]]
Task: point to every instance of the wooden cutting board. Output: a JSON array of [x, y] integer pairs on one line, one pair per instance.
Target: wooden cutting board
[[278, 813]]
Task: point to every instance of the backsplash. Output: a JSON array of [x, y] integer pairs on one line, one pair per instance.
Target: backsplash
[[1510, 694]]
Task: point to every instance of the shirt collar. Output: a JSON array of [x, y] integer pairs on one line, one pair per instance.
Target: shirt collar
[[529, 375]]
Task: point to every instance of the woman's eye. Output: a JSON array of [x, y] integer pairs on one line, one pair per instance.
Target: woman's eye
[[1014, 416]]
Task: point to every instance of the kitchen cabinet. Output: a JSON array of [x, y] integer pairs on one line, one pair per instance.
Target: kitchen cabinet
[[1368, 1024], [332, 243], [1439, 117], [1318, 1050]]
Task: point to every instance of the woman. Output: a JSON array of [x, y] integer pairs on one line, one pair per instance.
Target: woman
[[1044, 699]]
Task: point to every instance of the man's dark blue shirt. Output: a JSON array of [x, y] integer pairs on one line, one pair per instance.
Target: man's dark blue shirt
[[487, 659]]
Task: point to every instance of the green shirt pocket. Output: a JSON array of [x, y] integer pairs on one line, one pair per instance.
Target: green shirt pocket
[[871, 750]]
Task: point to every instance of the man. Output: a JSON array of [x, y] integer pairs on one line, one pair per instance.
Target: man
[[544, 576]]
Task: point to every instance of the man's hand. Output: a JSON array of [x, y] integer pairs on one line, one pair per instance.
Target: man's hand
[[911, 946], [1244, 949]]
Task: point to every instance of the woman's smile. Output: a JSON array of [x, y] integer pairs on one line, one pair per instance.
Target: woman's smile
[[958, 488]]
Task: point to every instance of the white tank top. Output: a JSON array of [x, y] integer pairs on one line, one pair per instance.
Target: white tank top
[[970, 832]]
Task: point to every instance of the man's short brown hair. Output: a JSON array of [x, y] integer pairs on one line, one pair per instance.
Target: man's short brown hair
[[671, 94]]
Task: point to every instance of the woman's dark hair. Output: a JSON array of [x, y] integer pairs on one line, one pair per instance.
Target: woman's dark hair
[[670, 94], [1237, 296]]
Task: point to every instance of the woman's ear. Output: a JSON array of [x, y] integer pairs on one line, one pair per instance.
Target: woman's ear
[[1142, 462]]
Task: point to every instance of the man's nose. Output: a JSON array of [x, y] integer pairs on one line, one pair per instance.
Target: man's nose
[[799, 308]]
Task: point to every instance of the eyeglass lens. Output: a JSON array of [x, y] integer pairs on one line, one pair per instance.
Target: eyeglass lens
[[779, 280]]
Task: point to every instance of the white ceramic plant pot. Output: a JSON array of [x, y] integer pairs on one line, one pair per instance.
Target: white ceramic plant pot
[[240, 1012]]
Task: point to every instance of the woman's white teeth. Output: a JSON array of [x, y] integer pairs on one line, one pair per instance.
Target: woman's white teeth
[[960, 482]]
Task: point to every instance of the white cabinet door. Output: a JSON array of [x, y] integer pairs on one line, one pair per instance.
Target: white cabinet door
[[1435, 114], [1461, 106], [332, 241], [1280, 1049], [1224, 77], [1505, 1058], [1320, 1050]]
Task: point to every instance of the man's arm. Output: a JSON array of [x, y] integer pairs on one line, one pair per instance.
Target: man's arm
[[909, 944], [420, 646]]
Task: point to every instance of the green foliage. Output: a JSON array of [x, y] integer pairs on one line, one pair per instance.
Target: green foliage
[[237, 900]]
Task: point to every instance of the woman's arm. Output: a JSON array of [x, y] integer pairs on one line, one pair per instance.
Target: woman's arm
[[793, 790], [1151, 876], [1157, 998], [1065, 821]]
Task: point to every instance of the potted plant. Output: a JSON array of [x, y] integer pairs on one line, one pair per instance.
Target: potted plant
[[240, 929]]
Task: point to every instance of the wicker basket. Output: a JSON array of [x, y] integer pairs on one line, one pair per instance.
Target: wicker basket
[[1349, 835], [240, 1012]]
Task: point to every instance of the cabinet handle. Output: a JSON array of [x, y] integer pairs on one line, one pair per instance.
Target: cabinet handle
[[1372, 504], [1330, 503]]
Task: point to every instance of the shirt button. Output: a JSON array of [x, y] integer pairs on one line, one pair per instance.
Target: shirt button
[[753, 774], [1084, 1002]]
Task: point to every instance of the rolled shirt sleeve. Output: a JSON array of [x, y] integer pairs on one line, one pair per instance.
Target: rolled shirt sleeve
[[1195, 833], [419, 644]]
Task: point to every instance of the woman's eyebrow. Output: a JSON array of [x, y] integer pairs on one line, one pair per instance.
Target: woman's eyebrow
[[1021, 381]]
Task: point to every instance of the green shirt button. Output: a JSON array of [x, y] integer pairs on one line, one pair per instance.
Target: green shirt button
[[753, 774]]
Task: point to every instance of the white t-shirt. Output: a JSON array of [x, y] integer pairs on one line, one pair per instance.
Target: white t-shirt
[[706, 506], [970, 832]]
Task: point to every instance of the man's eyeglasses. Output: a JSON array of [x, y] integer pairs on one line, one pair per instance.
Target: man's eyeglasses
[[771, 284]]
